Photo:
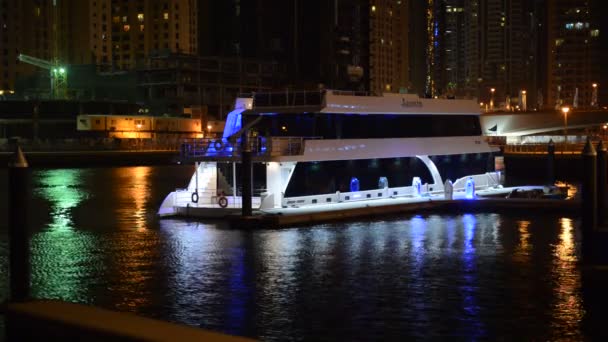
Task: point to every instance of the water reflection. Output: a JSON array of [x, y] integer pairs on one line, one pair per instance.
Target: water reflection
[[567, 308], [465, 277], [62, 257], [524, 248], [469, 287], [134, 193]]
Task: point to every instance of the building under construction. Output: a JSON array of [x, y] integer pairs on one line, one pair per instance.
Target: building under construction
[[174, 82]]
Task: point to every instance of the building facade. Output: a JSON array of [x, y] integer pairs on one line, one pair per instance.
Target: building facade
[[573, 53], [500, 49], [123, 33], [389, 41], [173, 82]]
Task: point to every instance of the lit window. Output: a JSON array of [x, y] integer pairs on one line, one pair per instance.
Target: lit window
[[559, 42], [116, 19], [141, 28], [569, 26], [140, 16], [37, 11], [124, 19], [166, 16], [373, 8], [595, 33], [126, 28]]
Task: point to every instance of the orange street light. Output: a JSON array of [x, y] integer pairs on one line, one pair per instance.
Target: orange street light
[[565, 110]]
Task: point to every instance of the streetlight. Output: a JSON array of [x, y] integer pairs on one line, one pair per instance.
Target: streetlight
[[565, 110], [492, 90], [594, 96], [523, 103]]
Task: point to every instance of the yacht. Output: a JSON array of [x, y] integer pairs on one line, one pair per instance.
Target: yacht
[[332, 150]]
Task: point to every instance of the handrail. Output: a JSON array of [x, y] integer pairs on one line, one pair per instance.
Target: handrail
[[259, 146], [542, 148]]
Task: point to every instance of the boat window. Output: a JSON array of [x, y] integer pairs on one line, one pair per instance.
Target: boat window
[[313, 178], [358, 126], [457, 166]]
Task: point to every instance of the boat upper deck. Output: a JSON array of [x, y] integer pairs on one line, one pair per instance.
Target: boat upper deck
[[353, 102]]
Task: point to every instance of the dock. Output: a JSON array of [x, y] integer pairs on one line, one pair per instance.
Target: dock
[[303, 216]]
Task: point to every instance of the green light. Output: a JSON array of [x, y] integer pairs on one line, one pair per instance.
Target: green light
[[62, 71], [54, 70]]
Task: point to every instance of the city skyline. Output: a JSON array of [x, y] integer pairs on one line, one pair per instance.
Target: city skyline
[[548, 48]]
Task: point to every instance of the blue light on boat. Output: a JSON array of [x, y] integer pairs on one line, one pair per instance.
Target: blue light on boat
[[469, 188], [354, 184], [417, 186]]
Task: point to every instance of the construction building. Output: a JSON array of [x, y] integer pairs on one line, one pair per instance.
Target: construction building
[[174, 82]]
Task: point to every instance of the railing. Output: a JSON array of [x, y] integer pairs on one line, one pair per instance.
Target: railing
[[259, 146], [542, 148]]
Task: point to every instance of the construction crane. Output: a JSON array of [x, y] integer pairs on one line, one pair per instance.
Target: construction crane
[[58, 74]]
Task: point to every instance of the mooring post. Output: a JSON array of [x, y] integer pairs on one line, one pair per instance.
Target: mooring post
[[246, 175], [19, 262], [589, 189], [602, 173], [551, 163]]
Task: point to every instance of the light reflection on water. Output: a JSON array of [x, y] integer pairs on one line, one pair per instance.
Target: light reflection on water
[[469, 276], [63, 258]]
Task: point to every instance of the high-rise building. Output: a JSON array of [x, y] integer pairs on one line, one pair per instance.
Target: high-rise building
[[454, 47], [573, 53], [500, 49], [26, 27], [112, 32], [389, 43], [124, 32]]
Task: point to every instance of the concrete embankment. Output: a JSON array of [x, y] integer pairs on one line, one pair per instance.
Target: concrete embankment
[[95, 158]]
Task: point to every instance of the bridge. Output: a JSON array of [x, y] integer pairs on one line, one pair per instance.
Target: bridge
[[542, 122]]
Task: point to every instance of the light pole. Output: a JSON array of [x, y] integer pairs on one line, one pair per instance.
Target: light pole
[[594, 96], [492, 90], [565, 110]]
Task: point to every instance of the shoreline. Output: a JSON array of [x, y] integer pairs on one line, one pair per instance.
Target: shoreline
[[95, 158]]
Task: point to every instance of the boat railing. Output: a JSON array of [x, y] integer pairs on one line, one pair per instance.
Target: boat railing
[[259, 146]]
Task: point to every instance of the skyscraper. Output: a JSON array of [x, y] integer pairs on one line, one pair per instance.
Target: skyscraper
[[573, 52], [498, 51], [454, 47], [124, 32], [388, 43]]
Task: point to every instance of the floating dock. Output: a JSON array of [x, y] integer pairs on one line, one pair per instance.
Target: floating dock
[[287, 218]]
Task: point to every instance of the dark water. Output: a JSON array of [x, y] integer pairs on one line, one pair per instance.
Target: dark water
[[95, 240]]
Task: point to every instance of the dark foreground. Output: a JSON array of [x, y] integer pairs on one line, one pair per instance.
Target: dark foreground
[[518, 275]]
